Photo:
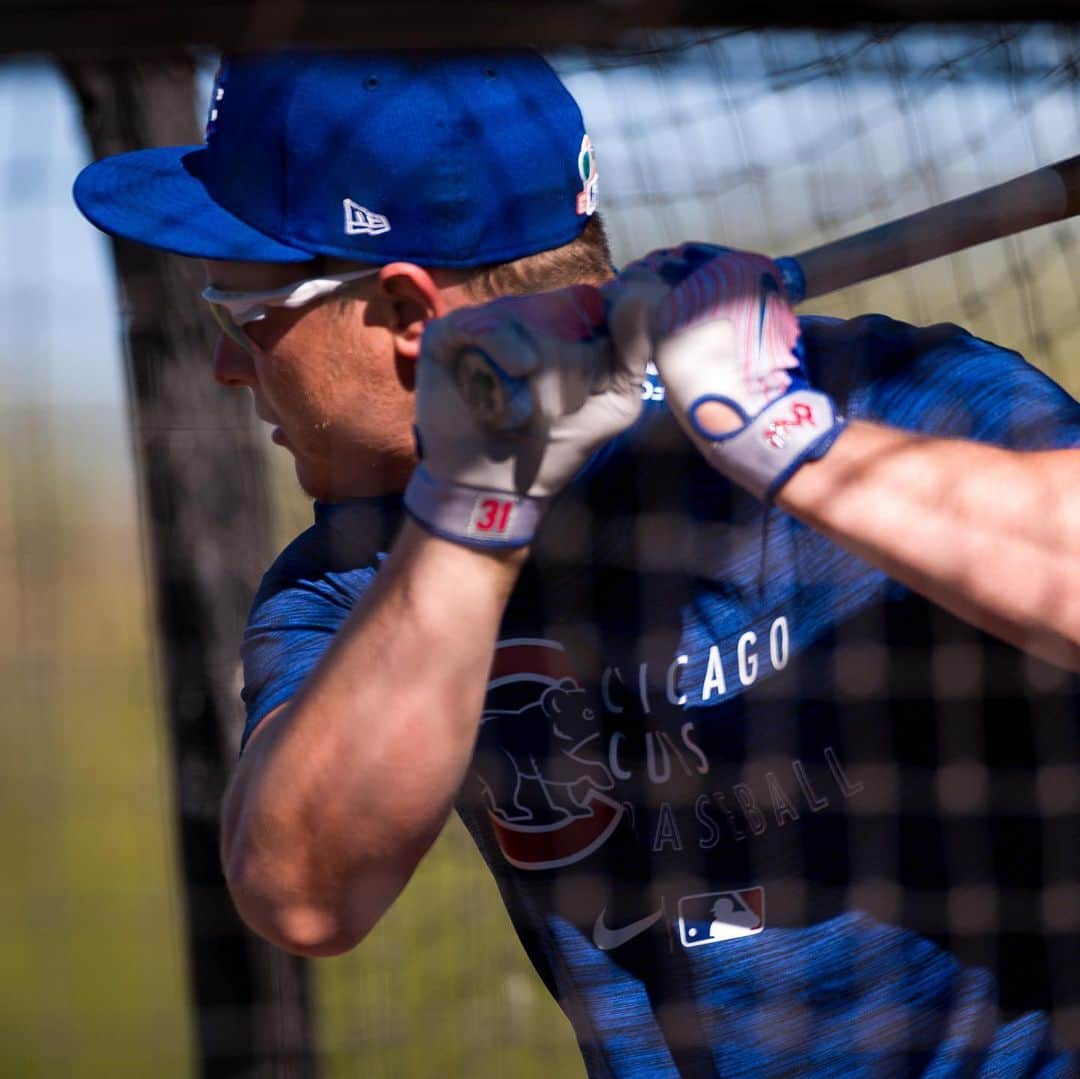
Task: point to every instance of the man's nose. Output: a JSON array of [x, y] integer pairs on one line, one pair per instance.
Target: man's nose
[[232, 365]]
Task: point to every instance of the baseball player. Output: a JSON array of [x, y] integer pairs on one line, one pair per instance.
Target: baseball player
[[752, 682]]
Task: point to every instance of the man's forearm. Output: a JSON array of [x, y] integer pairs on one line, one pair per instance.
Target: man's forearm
[[991, 534], [340, 793]]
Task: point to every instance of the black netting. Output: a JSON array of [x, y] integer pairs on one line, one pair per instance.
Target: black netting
[[948, 759]]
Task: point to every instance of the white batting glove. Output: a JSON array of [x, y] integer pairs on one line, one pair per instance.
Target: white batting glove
[[512, 398], [719, 327]]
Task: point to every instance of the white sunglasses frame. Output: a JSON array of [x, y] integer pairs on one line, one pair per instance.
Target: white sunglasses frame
[[234, 310]]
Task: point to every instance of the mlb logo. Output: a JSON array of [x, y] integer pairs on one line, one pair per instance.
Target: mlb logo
[[711, 917]]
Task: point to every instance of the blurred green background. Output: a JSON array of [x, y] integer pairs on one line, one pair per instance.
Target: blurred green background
[[92, 956], [92, 975], [715, 142]]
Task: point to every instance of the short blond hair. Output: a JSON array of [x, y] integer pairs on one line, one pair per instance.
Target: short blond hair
[[585, 260]]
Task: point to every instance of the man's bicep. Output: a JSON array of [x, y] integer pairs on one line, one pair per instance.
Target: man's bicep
[[241, 774]]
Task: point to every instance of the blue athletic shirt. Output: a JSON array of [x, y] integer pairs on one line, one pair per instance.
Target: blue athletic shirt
[[755, 809]]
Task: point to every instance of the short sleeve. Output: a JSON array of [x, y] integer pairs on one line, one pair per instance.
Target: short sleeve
[[291, 625], [306, 597]]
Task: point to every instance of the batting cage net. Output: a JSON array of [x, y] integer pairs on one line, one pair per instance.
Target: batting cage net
[[930, 784]]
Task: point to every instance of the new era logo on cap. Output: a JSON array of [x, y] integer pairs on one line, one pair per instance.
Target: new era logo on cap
[[360, 221]]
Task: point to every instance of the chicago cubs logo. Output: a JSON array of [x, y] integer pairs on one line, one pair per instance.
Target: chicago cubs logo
[[539, 762], [217, 94], [587, 196]]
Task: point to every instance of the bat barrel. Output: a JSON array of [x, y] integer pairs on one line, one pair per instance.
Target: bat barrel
[[1038, 198]]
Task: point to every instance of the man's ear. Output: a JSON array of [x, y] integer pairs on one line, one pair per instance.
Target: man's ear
[[413, 300]]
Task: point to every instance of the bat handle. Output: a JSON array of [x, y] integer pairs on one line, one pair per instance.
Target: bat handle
[[496, 400], [501, 402]]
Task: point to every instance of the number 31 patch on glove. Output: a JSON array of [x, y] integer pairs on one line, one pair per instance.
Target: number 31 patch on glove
[[492, 518]]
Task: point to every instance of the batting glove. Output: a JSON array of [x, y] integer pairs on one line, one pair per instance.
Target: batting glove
[[511, 400], [719, 327]]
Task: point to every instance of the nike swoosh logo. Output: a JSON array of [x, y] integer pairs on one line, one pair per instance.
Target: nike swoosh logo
[[606, 939]]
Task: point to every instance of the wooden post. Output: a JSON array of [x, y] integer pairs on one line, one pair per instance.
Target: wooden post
[[206, 508]]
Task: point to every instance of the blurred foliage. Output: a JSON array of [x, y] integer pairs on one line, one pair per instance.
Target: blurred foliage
[[92, 976]]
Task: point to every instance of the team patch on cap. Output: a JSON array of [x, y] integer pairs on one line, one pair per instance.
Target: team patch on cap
[[587, 196], [216, 96]]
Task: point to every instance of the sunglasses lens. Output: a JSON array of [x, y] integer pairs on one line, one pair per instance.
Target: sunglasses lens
[[229, 327]]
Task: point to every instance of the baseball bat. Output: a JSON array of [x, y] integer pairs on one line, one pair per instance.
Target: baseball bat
[[1048, 194]]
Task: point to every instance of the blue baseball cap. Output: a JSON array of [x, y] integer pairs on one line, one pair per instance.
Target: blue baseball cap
[[443, 159]]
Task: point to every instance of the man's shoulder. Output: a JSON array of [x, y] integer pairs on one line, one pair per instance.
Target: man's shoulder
[[938, 378], [877, 344], [337, 555], [306, 596]]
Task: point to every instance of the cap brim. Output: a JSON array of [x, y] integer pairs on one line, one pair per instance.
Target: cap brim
[[157, 197]]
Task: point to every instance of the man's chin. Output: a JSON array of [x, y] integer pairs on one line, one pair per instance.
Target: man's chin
[[339, 484], [312, 484]]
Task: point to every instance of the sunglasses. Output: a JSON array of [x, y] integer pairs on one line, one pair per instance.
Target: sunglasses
[[232, 311]]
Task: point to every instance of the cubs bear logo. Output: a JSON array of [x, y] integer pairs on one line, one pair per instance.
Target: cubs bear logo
[[538, 764]]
